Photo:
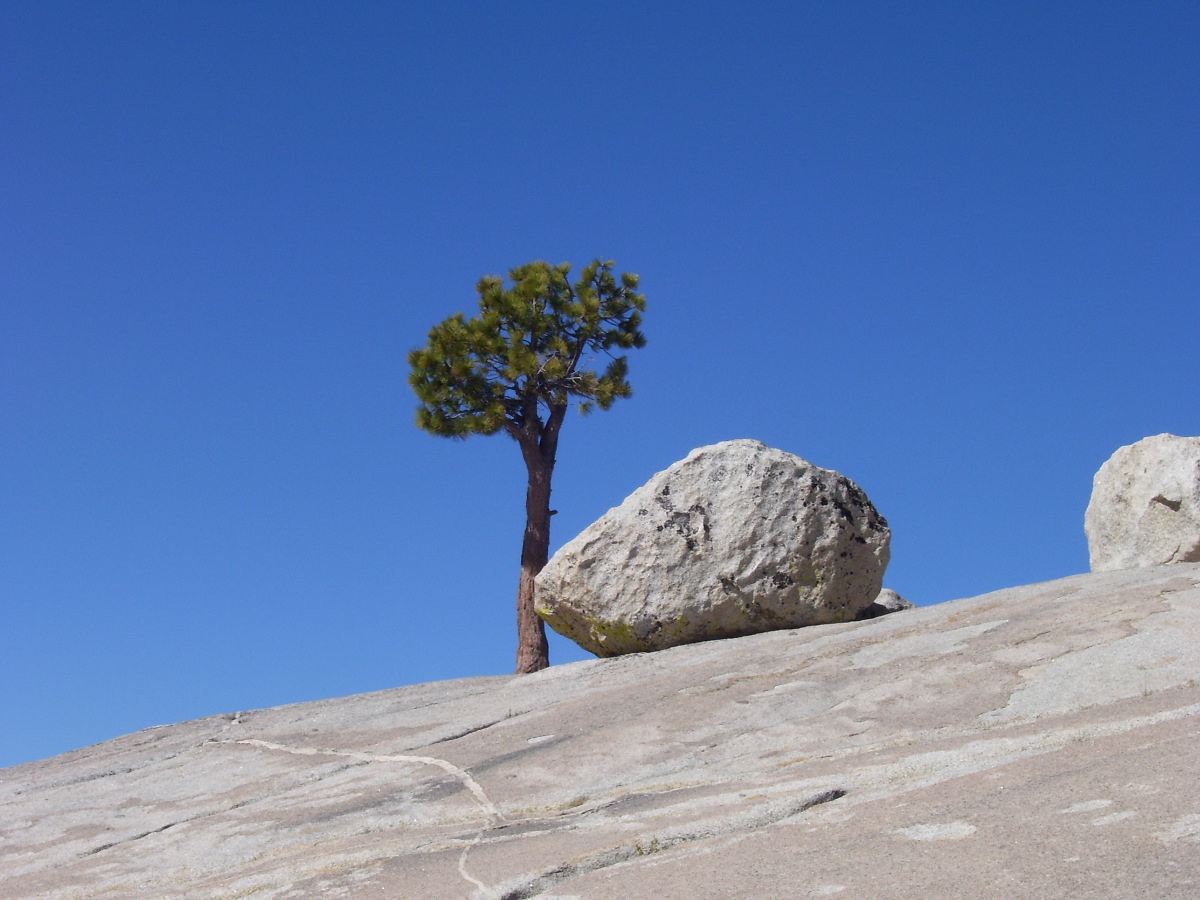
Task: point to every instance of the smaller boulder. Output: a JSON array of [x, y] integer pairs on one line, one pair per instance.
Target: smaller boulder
[[888, 601], [1145, 505]]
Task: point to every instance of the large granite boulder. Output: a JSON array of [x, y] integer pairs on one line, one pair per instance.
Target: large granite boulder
[[737, 539], [1145, 506]]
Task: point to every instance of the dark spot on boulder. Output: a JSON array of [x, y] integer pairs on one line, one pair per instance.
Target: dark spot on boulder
[[854, 492]]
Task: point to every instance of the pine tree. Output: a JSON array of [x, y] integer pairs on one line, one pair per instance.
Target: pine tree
[[516, 367]]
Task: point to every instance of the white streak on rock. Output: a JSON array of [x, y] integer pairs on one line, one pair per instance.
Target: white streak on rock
[[462, 775]]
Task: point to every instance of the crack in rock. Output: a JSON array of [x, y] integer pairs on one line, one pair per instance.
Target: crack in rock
[[529, 885], [201, 815], [136, 837], [464, 733]]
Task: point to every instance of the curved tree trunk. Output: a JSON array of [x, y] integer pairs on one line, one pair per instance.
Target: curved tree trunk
[[533, 652]]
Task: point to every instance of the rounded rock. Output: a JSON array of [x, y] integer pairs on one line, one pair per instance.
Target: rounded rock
[[736, 539], [1145, 505]]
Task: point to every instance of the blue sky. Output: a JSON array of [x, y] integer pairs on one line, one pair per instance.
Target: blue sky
[[949, 249]]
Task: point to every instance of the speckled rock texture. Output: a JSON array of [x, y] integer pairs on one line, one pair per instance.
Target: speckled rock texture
[[1145, 506], [736, 539], [1036, 742]]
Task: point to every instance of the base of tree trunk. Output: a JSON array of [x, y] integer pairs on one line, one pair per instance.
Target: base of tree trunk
[[533, 650]]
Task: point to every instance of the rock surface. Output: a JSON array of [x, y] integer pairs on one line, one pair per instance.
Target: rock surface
[[1145, 505], [1041, 741], [736, 539]]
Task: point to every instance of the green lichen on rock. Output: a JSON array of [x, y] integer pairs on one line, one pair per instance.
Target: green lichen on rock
[[597, 636], [612, 638], [677, 630]]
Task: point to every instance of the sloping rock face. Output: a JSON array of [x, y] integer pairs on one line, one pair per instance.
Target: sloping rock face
[[1041, 741], [1145, 505], [736, 539]]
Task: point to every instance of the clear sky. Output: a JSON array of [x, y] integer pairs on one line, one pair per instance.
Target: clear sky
[[949, 249]]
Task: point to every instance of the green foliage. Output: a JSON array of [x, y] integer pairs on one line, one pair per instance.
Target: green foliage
[[530, 349]]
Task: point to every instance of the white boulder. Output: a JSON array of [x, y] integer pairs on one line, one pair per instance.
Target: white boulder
[[1145, 506], [736, 539], [888, 601]]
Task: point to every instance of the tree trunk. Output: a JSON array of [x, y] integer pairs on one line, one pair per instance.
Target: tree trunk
[[533, 652]]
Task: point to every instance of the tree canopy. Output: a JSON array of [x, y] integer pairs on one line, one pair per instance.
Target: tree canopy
[[527, 352], [516, 367]]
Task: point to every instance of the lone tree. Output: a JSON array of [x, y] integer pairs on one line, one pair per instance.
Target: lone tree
[[515, 368]]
